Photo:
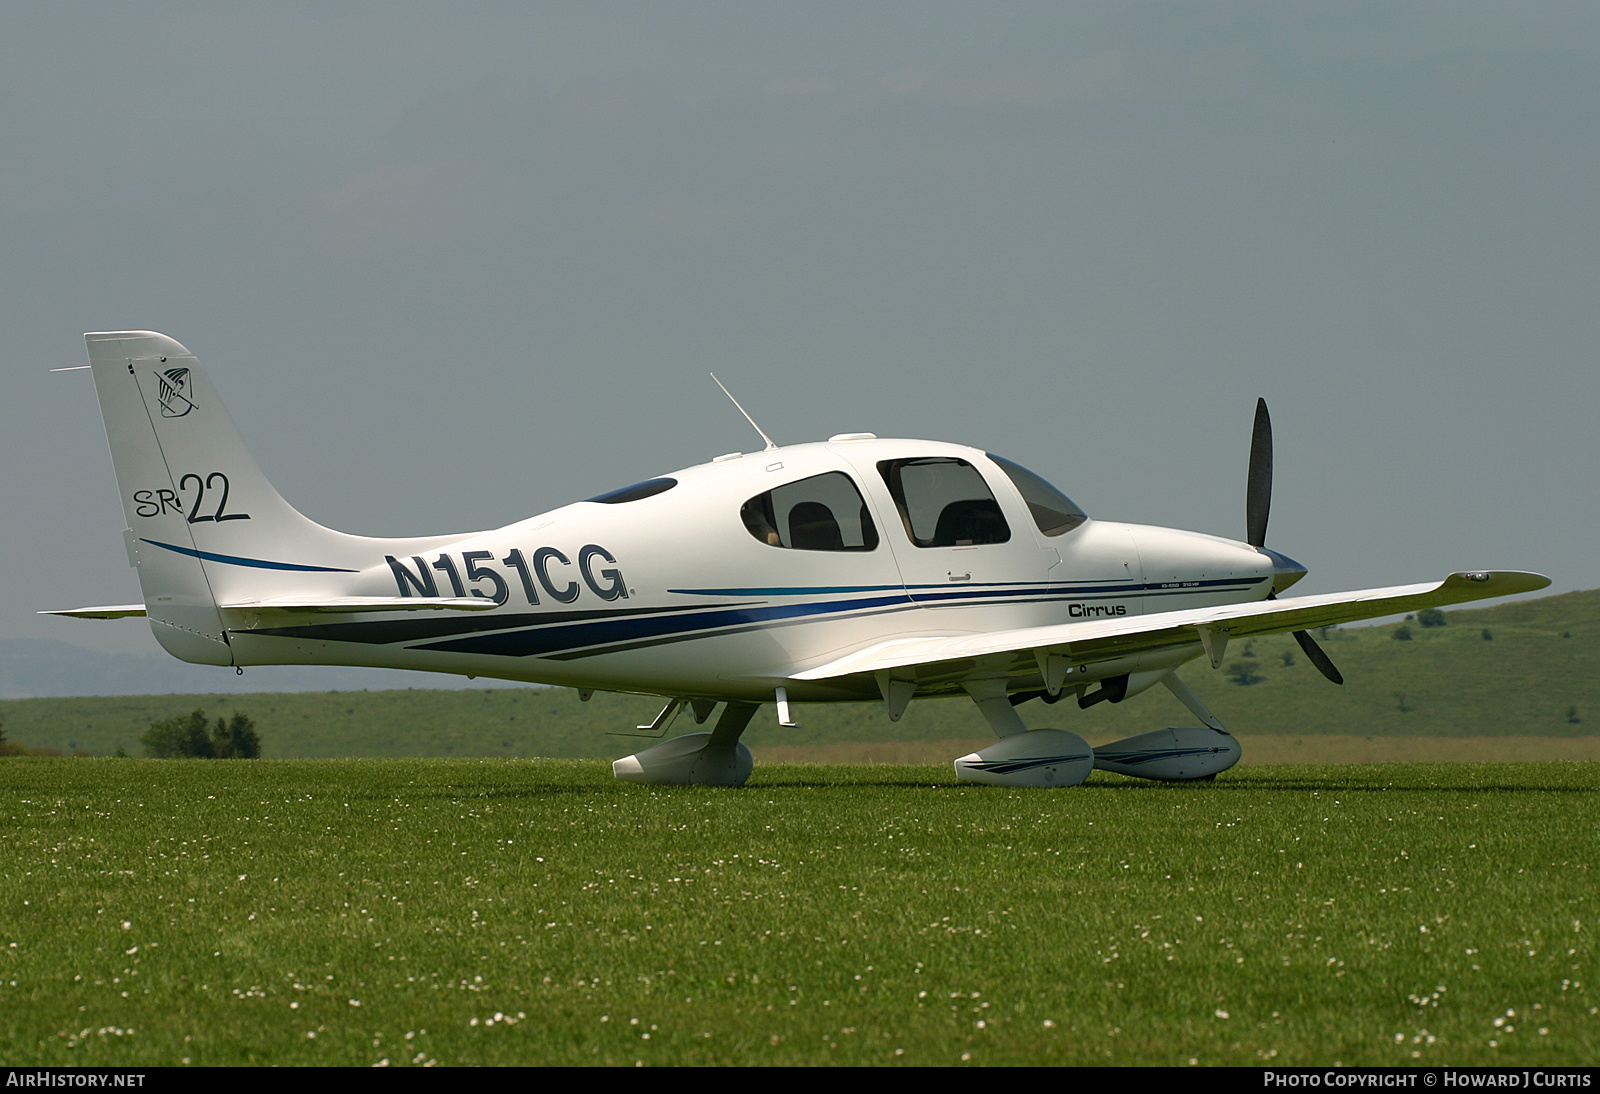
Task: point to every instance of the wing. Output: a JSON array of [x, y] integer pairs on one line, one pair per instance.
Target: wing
[[1126, 636]]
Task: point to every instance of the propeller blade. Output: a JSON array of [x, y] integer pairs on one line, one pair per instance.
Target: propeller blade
[[1315, 655], [1257, 507], [1258, 491]]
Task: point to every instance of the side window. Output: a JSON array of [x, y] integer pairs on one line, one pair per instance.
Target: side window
[[944, 502], [822, 513]]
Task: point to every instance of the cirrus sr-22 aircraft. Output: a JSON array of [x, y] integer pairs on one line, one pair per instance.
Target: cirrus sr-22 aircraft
[[855, 569]]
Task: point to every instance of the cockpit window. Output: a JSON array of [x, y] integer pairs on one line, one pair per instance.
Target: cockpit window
[[1052, 510], [822, 513], [649, 488], [944, 502]]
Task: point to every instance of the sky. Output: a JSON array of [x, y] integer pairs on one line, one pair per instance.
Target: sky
[[450, 265]]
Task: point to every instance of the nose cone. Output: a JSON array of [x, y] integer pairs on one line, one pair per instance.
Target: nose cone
[[1285, 570], [1175, 560]]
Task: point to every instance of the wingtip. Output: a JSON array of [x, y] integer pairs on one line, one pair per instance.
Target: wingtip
[[1503, 582]]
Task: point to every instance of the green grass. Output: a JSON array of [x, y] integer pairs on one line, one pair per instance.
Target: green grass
[[347, 912]]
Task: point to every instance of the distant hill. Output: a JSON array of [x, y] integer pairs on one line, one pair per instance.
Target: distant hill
[[38, 668], [1529, 668]]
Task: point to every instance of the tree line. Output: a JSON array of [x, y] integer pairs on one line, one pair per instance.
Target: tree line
[[193, 735]]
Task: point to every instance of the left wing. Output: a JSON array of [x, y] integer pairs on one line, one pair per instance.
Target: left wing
[[341, 605], [1102, 639]]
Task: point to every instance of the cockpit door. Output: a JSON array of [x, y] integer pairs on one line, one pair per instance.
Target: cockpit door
[[960, 540]]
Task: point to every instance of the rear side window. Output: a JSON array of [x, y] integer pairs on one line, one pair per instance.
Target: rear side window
[[822, 513], [944, 502], [649, 488]]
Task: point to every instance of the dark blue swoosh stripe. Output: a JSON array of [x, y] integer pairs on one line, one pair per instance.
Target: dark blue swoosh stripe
[[236, 560], [802, 590], [924, 593], [531, 643]]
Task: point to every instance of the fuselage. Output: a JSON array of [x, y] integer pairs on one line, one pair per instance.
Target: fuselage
[[724, 579]]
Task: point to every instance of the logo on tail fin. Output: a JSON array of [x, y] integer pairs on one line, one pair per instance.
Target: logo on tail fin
[[174, 393]]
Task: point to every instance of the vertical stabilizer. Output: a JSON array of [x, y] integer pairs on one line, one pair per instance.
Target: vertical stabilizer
[[205, 526]]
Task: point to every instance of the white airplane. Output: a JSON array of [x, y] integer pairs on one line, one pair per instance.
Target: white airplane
[[855, 569]]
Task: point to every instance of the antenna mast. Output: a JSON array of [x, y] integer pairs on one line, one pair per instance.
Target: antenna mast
[[746, 413]]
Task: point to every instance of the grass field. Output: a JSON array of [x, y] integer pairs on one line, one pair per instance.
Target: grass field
[[538, 912]]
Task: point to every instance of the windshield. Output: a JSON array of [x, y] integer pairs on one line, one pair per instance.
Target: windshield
[[1052, 510]]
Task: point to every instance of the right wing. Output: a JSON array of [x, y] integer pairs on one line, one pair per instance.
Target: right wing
[[1104, 639]]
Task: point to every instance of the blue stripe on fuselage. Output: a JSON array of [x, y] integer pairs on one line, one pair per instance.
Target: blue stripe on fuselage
[[993, 588], [236, 560]]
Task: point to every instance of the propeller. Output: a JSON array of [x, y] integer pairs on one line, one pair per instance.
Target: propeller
[[1258, 506], [1258, 491]]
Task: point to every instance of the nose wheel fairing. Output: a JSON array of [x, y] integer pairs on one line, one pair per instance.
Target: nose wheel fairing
[[1174, 754], [1056, 758]]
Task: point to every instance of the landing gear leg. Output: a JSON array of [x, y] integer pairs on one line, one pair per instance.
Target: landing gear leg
[[1181, 692], [717, 758], [995, 706]]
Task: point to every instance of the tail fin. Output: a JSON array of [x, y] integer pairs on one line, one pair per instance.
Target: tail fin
[[205, 527]]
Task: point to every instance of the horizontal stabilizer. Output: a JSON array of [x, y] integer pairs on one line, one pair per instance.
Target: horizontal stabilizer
[[364, 604], [105, 611], [299, 604]]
